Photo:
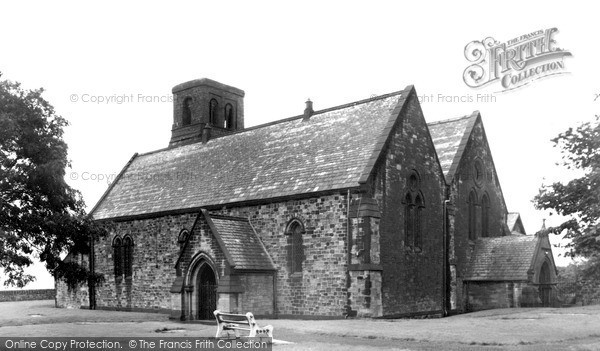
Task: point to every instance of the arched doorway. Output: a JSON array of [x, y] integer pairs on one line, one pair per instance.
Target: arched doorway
[[545, 285], [206, 287]]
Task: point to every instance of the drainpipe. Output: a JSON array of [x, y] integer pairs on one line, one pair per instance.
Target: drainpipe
[[349, 255], [445, 260], [275, 312], [91, 282]]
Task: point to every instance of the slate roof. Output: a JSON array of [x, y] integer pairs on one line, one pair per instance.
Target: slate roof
[[450, 138], [334, 149], [240, 243], [505, 258]]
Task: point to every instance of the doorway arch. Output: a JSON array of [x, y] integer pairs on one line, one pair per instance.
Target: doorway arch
[[545, 280], [201, 290], [206, 287]]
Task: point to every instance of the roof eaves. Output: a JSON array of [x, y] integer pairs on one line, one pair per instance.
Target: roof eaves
[[334, 189]]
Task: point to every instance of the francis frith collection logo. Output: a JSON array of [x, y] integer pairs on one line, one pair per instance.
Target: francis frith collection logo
[[515, 63]]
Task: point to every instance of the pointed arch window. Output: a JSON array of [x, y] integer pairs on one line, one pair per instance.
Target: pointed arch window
[[214, 112], [117, 246], [229, 118], [485, 216], [295, 231], [472, 203], [409, 212], [127, 256], [182, 238], [186, 117], [414, 205], [418, 220]]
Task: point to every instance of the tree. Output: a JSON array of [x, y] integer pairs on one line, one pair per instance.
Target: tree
[[40, 214], [579, 199]]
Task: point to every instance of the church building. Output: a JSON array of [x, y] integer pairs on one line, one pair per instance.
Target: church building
[[359, 210]]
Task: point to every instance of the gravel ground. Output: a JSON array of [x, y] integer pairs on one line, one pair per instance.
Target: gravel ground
[[576, 328]]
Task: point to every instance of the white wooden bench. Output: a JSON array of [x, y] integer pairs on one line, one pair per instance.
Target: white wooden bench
[[245, 322]]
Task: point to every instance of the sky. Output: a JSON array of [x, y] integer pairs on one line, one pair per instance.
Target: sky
[[108, 68]]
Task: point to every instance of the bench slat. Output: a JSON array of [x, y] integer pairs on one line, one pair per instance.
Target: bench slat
[[223, 320], [226, 321]]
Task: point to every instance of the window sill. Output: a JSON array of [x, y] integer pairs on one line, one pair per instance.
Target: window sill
[[296, 277]]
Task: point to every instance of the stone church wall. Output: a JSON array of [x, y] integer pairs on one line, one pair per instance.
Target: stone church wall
[[464, 182], [488, 295], [154, 255], [258, 295], [317, 291], [412, 277]]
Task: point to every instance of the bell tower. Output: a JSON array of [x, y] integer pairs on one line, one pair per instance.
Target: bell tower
[[204, 109]]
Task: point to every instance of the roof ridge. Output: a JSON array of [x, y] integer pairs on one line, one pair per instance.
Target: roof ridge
[[288, 119], [454, 119], [329, 109]]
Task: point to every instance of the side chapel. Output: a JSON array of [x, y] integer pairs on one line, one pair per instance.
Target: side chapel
[[360, 210]]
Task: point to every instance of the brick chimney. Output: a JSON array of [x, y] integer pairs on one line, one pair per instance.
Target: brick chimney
[[308, 111]]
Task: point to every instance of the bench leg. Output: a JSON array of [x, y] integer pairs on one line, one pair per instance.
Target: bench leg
[[269, 330], [219, 330], [262, 332]]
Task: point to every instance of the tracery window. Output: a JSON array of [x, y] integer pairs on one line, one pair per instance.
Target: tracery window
[[472, 203], [485, 216], [414, 206]]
